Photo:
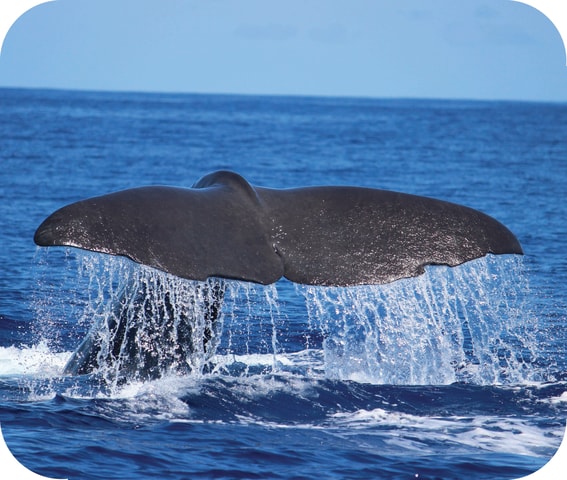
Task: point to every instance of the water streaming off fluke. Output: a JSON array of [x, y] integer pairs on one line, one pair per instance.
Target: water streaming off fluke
[[466, 324]]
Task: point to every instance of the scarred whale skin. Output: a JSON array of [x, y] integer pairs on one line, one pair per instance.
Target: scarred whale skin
[[225, 227]]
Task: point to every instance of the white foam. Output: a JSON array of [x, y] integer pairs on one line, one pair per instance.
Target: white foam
[[36, 361], [494, 434], [560, 399]]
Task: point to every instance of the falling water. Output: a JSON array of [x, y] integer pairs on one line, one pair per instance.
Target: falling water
[[464, 324]]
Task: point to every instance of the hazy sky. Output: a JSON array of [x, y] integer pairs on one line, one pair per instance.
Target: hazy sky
[[493, 49]]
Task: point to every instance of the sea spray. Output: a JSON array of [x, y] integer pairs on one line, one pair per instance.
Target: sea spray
[[134, 322], [465, 324]]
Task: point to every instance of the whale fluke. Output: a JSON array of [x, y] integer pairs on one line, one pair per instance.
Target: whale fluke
[[225, 227]]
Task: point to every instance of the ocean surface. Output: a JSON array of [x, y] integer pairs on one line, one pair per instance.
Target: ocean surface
[[459, 373]]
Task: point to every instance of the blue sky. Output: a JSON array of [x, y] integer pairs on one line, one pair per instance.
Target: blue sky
[[478, 49]]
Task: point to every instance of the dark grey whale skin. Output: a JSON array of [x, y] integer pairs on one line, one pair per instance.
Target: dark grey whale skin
[[118, 343], [225, 227]]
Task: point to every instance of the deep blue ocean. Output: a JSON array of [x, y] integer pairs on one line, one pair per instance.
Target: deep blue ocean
[[457, 374]]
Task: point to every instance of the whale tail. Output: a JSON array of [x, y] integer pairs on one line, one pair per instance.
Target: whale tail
[[224, 227]]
